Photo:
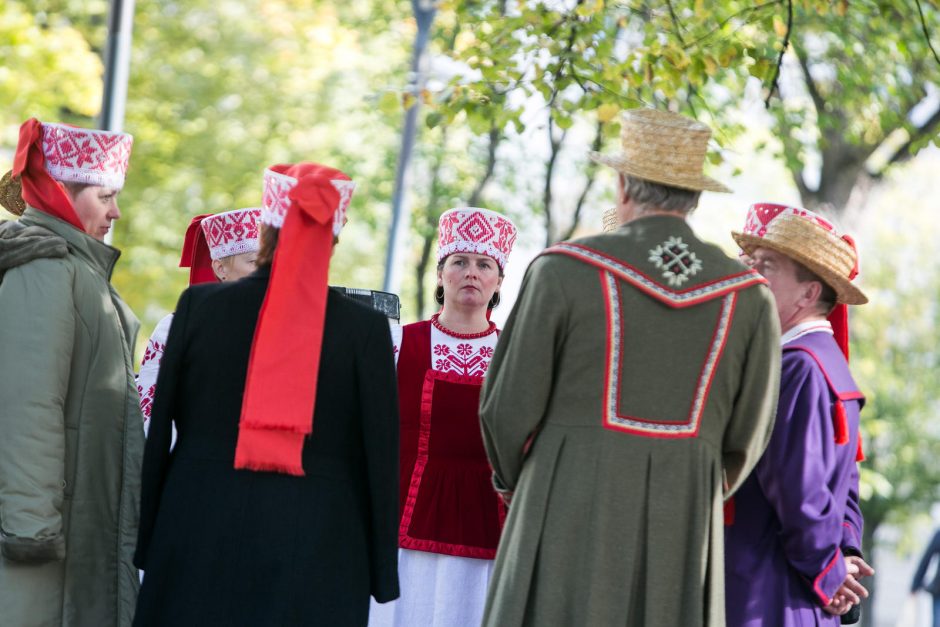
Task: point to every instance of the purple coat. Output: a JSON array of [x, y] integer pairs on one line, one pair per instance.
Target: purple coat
[[797, 514]]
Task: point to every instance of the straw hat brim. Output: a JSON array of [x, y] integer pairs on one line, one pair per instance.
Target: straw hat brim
[[11, 194], [846, 292], [662, 175]]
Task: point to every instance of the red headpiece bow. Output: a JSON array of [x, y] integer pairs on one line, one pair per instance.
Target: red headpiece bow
[[196, 253], [281, 387]]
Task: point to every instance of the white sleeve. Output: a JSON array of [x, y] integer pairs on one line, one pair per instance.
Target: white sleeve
[[150, 367], [396, 332]]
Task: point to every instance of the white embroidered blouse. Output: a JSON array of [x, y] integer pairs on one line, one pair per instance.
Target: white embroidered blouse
[[467, 354]]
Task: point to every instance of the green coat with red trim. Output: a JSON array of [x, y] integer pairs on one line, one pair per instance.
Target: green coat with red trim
[[633, 386]]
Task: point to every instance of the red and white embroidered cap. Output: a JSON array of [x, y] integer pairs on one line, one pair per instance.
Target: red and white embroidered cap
[[475, 230], [83, 155], [276, 200], [760, 214], [232, 232]]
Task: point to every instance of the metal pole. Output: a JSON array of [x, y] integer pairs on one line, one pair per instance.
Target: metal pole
[[424, 11], [116, 70], [117, 65]]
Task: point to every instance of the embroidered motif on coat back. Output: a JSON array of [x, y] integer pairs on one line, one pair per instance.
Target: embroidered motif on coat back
[[688, 297], [676, 261]]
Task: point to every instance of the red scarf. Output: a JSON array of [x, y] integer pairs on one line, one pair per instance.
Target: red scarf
[[281, 386]]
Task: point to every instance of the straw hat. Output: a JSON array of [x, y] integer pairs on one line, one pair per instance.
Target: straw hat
[[662, 147], [11, 194], [831, 257]]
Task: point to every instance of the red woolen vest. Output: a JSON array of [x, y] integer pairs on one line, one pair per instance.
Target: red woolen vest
[[448, 504]]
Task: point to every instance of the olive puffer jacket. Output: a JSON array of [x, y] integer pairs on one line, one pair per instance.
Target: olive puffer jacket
[[71, 433]]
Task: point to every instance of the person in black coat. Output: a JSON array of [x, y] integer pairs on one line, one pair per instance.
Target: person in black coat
[[227, 546]]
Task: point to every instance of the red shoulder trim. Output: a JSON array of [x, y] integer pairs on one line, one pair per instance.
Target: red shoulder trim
[[853, 395], [673, 298], [840, 424]]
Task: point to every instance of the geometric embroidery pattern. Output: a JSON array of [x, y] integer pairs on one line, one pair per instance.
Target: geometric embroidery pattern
[[232, 232], [81, 155], [676, 261], [614, 367], [461, 356], [275, 200], [151, 361], [475, 231], [651, 287], [345, 189]]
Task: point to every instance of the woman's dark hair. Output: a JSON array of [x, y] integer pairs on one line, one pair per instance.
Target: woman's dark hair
[[267, 242]]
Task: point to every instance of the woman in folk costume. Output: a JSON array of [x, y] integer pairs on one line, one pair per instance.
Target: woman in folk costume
[[71, 440], [793, 535], [450, 515], [220, 247], [278, 504]]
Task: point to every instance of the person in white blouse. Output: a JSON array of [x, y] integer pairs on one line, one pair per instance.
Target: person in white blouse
[[219, 247], [451, 516]]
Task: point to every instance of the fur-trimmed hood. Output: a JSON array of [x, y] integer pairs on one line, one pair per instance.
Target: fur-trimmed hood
[[21, 244]]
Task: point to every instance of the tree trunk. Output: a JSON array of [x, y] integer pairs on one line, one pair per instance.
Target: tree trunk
[[420, 270], [842, 166]]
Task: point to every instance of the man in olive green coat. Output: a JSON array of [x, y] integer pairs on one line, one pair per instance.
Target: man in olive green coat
[[632, 389], [71, 433]]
